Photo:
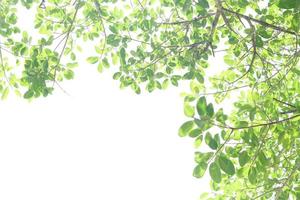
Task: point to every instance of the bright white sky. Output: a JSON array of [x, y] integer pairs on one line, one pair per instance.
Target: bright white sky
[[99, 143]]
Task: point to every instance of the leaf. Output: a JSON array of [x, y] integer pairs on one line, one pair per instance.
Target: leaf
[[113, 40], [203, 3], [186, 128], [201, 106], [122, 56], [69, 74], [210, 110], [200, 169], [226, 165], [117, 75], [92, 59], [262, 158], [28, 94], [296, 22], [100, 67], [243, 158], [199, 77], [189, 110], [5, 93], [242, 124], [288, 4], [252, 176], [215, 172], [259, 42], [198, 141], [195, 133], [187, 5], [210, 141], [113, 29], [203, 157], [105, 63], [174, 81]]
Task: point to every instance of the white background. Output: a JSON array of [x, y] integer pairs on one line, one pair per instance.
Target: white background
[[99, 142]]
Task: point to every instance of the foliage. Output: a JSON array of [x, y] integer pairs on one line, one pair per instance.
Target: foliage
[[253, 152]]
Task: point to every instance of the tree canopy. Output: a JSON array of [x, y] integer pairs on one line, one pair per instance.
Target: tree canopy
[[252, 152]]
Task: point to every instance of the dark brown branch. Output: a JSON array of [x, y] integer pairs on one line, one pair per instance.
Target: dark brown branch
[[253, 39], [259, 125], [263, 23], [186, 21], [65, 43], [288, 104]]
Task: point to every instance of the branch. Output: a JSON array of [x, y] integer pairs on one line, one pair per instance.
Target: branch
[[186, 21], [278, 192], [284, 103], [259, 125], [221, 147], [2, 66], [97, 5], [263, 23], [65, 44], [253, 55]]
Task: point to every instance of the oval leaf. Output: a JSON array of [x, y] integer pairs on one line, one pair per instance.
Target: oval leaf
[[201, 106], [199, 170], [210, 110], [195, 133], [185, 128], [188, 110], [243, 158], [215, 172], [226, 165], [252, 176]]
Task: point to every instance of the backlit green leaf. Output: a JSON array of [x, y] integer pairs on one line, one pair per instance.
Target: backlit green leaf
[[186, 128], [226, 165], [215, 172], [199, 170]]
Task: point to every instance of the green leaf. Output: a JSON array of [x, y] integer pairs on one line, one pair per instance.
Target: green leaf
[[174, 81], [195, 133], [200, 169], [5, 93], [113, 40], [189, 110], [92, 59], [187, 5], [199, 77], [203, 3], [100, 67], [252, 176], [288, 4], [123, 56], [259, 42], [113, 29], [243, 158], [210, 110], [296, 22], [198, 141], [210, 141], [28, 94], [262, 158], [201, 106], [215, 172], [69, 74], [117, 75], [226, 165], [186, 128]]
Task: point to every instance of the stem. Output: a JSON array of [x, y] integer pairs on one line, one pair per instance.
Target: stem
[[263, 23]]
